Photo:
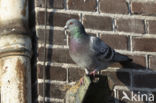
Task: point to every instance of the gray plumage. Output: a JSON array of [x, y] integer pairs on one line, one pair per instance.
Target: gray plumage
[[88, 51]]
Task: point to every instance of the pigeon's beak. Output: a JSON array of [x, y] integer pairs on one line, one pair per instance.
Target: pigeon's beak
[[65, 27]]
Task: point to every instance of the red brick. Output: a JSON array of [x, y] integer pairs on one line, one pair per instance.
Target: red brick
[[98, 22], [54, 19], [53, 37], [52, 73], [130, 25], [57, 4], [85, 5], [55, 55], [75, 74], [144, 44], [147, 8], [52, 90], [118, 78], [114, 6], [152, 25], [139, 60], [153, 62], [141, 80], [116, 41]]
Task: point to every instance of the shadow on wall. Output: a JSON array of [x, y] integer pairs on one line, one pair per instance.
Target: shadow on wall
[[38, 38], [102, 90], [31, 23], [49, 54]]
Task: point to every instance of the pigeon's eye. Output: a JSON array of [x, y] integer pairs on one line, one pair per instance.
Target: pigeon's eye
[[70, 23]]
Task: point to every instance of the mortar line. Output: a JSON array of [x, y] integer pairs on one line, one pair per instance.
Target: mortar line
[[40, 98], [119, 87], [67, 7], [98, 7], [114, 24], [110, 69], [134, 16], [131, 44], [145, 26], [40, 81], [147, 62], [50, 46], [103, 32], [65, 4], [129, 3]]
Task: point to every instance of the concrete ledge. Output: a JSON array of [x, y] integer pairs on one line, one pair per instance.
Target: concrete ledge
[[90, 91]]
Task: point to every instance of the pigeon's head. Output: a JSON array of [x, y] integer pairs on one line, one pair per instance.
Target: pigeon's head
[[73, 26]]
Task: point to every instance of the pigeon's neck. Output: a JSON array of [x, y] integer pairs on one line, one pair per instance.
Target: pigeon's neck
[[77, 32]]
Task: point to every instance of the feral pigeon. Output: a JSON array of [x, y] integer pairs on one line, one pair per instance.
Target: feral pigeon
[[88, 51]]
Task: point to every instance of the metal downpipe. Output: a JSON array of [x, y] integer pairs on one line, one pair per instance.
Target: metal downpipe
[[15, 52]]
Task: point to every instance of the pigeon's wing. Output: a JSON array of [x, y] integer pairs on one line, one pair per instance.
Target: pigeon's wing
[[105, 53], [101, 50]]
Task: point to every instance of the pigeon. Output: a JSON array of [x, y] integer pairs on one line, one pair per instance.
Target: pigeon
[[88, 51]]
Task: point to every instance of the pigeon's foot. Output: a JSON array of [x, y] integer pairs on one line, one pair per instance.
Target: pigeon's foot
[[81, 81], [93, 72]]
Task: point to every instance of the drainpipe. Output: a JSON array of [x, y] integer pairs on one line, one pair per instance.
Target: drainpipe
[[15, 52]]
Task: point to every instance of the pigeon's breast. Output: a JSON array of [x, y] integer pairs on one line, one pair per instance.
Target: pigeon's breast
[[76, 46], [79, 52]]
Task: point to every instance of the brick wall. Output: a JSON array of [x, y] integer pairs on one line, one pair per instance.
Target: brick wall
[[129, 26]]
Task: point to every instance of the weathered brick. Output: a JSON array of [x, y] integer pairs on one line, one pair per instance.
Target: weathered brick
[[98, 22], [118, 78], [53, 36], [153, 62], [152, 25], [141, 80], [57, 4], [85, 5], [75, 74], [58, 92], [139, 61], [54, 19], [52, 73], [114, 6], [116, 41], [130, 25], [55, 55], [144, 44], [147, 8]]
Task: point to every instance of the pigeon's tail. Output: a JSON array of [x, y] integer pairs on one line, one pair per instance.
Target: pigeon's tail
[[121, 58]]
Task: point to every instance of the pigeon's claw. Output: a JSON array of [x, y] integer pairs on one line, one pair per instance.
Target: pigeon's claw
[[81, 81], [93, 72]]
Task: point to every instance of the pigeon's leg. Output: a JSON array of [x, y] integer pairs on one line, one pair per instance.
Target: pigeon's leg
[[93, 72], [81, 81]]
